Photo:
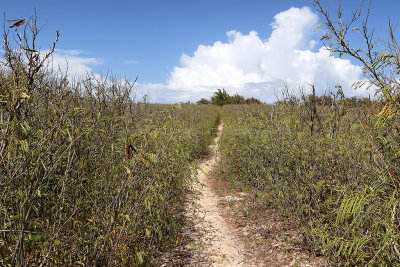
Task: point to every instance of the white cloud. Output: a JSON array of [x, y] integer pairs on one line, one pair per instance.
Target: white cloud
[[251, 66], [74, 62]]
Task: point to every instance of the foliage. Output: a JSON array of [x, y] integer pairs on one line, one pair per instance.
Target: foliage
[[329, 162], [322, 166], [381, 67], [88, 176], [221, 97]]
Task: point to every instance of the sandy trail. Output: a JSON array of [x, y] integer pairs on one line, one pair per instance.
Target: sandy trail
[[222, 248]]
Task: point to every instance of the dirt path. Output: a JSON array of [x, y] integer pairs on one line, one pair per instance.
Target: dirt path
[[225, 235], [219, 244], [222, 248]]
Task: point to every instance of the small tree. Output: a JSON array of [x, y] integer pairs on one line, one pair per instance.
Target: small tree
[[220, 97]]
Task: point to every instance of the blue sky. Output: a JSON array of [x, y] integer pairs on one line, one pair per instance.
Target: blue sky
[[150, 38]]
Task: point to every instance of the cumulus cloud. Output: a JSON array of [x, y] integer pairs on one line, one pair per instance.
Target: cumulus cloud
[[252, 66]]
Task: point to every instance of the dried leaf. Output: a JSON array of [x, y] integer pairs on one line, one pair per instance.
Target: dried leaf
[[129, 151], [18, 23], [65, 95]]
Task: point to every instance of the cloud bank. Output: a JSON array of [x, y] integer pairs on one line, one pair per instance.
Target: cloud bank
[[248, 65]]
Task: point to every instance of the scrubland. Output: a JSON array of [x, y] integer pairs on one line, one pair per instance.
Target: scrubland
[[90, 175]]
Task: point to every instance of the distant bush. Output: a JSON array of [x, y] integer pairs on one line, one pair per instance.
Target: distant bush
[[221, 97], [203, 101]]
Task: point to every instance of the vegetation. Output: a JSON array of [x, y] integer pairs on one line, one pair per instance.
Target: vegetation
[[330, 163], [221, 97], [306, 162], [88, 176]]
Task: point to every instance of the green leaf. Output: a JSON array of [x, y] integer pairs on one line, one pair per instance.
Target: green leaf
[[139, 255], [148, 233], [35, 238], [24, 96], [69, 136], [24, 145], [319, 27]]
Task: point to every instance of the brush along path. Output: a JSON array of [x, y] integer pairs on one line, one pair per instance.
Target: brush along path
[[223, 238]]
